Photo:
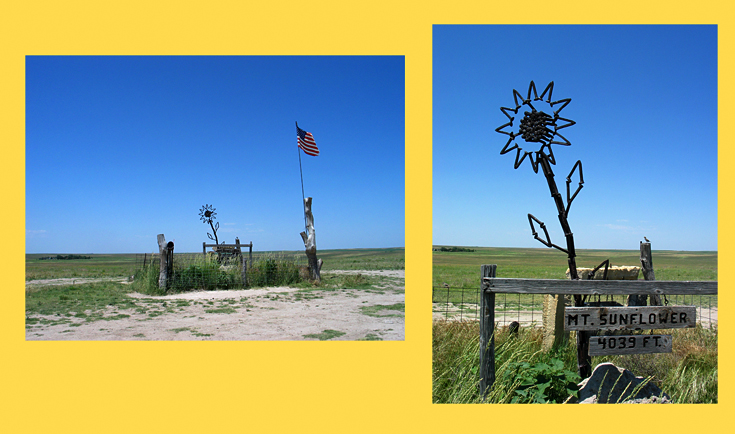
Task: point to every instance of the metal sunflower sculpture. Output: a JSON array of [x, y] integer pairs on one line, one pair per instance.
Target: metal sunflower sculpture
[[538, 127], [207, 215], [542, 128]]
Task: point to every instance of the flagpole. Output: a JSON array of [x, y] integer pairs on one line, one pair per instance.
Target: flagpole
[[303, 197]]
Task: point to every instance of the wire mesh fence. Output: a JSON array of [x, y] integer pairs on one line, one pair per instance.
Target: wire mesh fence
[[196, 271], [463, 304]]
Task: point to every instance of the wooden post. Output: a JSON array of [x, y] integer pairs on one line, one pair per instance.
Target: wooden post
[[204, 248], [243, 261], [647, 270], [310, 242], [487, 334], [166, 253]]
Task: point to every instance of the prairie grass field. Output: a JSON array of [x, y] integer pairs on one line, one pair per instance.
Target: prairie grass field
[[99, 265], [688, 375], [462, 269], [125, 264]]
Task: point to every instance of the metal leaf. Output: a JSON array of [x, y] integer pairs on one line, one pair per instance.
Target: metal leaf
[[548, 242], [569, 181]]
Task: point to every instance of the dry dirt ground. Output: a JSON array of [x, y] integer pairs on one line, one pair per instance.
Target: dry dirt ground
[[277, 313]]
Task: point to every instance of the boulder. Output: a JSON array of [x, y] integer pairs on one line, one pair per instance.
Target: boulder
[[611, 384], [624, 272]]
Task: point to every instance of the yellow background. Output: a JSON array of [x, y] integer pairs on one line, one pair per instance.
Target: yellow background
[[294, 386]]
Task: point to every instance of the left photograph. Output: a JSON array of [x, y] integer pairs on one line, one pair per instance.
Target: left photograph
[[215, 198]]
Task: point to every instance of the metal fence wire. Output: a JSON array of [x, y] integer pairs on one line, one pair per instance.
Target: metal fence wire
[[463, 304]]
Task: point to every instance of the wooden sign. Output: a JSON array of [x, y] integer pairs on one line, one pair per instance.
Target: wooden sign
[[633, 344], [629, 318]]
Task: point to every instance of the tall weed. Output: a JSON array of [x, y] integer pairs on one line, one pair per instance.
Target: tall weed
[[525, 373], [207, 272]]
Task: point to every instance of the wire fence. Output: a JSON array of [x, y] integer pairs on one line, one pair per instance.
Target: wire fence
[[463, 304], [196, 271]]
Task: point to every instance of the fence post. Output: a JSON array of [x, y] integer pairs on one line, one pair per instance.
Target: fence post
[[204, 248], [166, 253], [487, 335], [243, 263], [647, 270]]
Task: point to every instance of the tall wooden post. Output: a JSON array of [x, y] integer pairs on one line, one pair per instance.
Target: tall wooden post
[[243, 262], [315, 265], [647, 270], [487, 334], [166, 254]]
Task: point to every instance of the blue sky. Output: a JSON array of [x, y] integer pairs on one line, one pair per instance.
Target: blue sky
[[644, 99], [120, 149]]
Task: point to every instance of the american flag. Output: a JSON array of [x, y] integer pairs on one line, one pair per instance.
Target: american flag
[[306, 142]]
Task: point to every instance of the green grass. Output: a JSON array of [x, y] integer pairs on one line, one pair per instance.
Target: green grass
[[222, 310], [100, 265], [462, 269], [371, 337], [363, 259], [373, 310], [325, 335], [688, 374], [90, 302]]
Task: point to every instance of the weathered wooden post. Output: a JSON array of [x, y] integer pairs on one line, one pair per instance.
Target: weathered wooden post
[[243, 261], [315, 265], [487, 333], [647, 270], [166, 253]]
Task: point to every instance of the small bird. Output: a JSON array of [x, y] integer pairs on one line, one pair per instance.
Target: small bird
[[646, 239], [445, 285]]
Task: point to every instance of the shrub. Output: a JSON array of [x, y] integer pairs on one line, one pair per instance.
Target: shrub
[[541, 383], [199, 272], [272, 271]]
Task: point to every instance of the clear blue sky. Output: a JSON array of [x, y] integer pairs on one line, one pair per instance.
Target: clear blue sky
[[644, 99], [120, 149]]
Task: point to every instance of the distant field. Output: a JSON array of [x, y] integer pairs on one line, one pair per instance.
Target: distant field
[[462, 269], [100, 265], [125, 264]]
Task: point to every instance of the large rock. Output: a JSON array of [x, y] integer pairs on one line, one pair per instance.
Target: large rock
[[610, 384], [553, 320], [624, 272]]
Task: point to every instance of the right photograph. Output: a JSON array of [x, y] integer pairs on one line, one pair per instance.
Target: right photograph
[[575, 240]]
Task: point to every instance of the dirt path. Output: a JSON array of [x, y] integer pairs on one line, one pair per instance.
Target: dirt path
[[278, 313]]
